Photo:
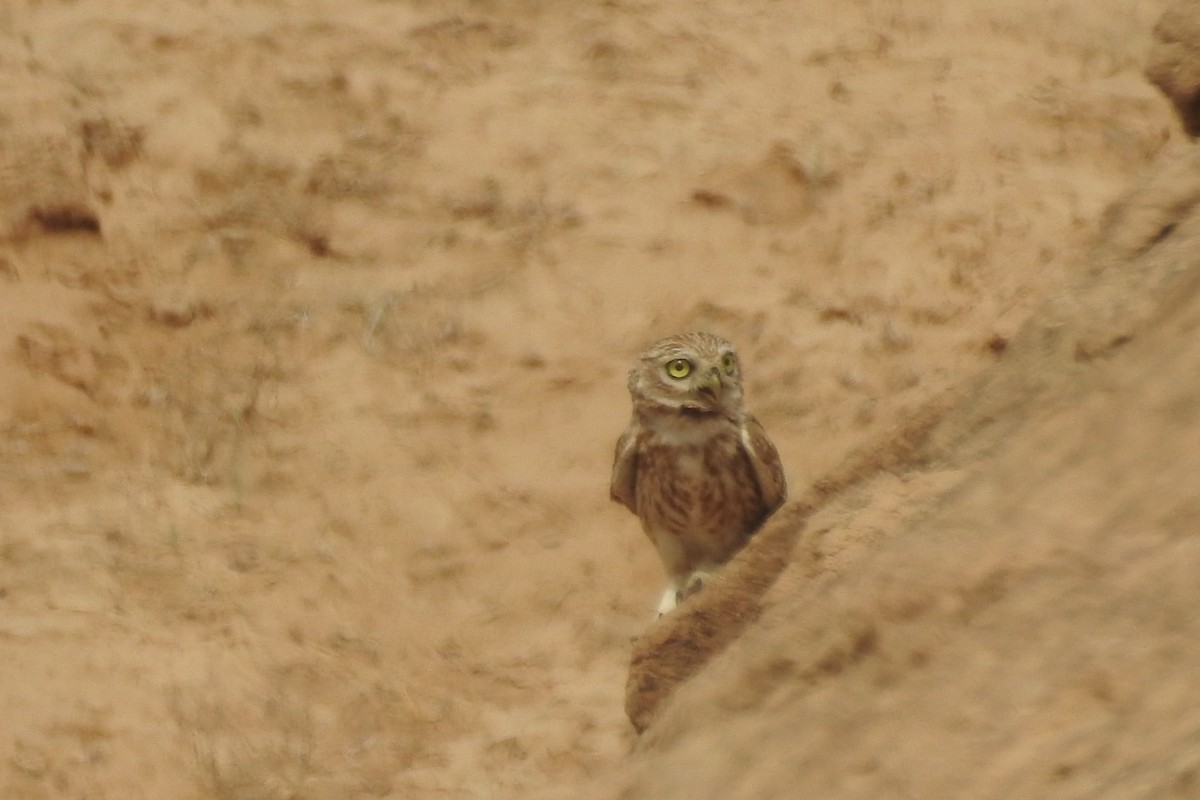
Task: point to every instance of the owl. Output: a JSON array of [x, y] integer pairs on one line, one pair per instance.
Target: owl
[[694, 466]]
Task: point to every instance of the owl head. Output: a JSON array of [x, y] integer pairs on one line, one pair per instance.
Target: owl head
[[690, 372]]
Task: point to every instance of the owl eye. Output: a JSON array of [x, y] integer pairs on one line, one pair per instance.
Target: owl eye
[[679, 368], [729, 363]]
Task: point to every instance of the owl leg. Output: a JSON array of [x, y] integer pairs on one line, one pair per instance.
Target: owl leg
[[670, 599], [669, 545]]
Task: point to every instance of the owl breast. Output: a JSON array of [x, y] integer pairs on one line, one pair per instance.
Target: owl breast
[[698, 500]]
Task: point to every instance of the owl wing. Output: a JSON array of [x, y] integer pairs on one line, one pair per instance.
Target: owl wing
[[768, 469], [624, 472]]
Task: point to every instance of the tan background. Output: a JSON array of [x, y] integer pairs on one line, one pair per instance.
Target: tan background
[[314, 320]]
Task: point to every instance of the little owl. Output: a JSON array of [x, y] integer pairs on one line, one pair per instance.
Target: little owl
[[694, 466]]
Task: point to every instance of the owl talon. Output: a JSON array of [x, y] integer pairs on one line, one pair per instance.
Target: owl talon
[[695, 582]]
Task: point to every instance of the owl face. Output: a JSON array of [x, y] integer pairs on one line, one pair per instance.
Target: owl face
[[696, 372]]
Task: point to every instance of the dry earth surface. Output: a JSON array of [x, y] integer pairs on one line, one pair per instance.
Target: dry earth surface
[[314, 320]]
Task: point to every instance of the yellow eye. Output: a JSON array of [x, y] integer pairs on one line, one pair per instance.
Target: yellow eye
[[729, 363], [679, 368]]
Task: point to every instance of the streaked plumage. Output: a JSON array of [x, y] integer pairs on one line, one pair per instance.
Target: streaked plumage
[[694, 466]]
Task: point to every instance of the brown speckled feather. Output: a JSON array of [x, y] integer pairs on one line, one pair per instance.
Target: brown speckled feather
[[705, 494], [768, 469], [624, 472]]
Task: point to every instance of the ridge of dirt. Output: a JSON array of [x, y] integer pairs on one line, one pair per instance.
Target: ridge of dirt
[[678, 646]]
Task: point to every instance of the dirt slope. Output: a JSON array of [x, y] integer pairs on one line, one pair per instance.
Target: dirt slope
[[1029, 631], [313, 331]]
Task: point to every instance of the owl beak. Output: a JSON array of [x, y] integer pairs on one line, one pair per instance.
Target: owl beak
[[712, 383]]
